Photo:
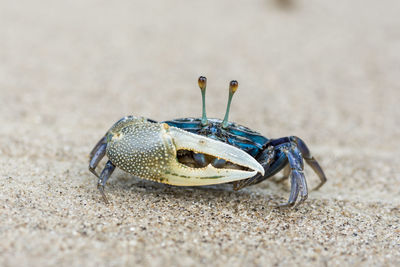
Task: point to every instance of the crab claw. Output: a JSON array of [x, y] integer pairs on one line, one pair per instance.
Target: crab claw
[[150, 151]]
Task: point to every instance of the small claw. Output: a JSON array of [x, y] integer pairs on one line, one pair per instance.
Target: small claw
[[150, 151]]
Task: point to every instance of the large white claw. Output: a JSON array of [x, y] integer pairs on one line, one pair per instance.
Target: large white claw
[[149, 150]]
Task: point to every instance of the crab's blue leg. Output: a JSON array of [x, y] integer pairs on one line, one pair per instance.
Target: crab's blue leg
[[105, 174], [97, 154], [310, 161], [297, 179]]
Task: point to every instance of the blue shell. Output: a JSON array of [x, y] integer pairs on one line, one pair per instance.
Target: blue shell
[[234, 134]]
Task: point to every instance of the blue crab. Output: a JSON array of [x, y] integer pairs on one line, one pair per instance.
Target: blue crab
[[202, 151]]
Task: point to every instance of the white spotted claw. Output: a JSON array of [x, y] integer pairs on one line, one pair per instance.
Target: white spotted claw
[[149, 151]]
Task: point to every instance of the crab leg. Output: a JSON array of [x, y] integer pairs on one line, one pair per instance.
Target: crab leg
[[311, 161], [297, 179], [97, 154], [105, 174]]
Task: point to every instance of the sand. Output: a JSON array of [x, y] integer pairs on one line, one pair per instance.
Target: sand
[[327, 71]]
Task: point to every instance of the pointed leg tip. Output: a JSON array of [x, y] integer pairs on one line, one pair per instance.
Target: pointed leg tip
[[103, 194], [290, 205], [285, 205]]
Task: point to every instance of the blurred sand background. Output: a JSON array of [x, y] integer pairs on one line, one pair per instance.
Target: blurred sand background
[[327, 71]]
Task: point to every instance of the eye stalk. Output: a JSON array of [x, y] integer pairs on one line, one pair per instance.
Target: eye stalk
[[203, 85], [233, 86]]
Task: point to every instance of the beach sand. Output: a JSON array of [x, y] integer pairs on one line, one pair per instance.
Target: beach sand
[[327, 71]]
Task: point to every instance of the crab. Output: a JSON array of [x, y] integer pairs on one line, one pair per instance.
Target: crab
[[202, 151]]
